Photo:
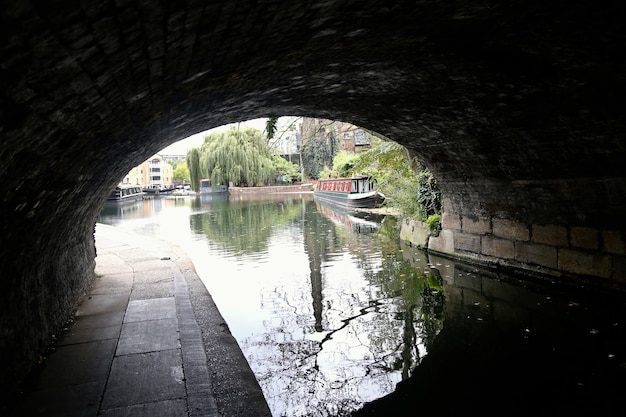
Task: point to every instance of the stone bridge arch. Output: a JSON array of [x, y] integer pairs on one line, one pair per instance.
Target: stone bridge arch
[[516, 107]]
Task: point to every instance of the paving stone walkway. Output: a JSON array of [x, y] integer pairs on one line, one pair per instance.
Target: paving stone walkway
[[135, 349]]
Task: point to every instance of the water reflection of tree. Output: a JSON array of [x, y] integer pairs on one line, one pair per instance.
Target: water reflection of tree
[[364, 337], [316, 246], [245, 227], [419, 299]]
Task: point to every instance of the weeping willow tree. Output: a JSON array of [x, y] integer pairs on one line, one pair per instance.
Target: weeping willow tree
[[238, 156], [193, 163]]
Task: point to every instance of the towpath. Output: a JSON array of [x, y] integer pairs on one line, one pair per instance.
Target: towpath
[[147, 340]]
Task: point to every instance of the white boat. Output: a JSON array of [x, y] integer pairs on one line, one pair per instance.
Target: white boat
[[355, 192], [125, 193]]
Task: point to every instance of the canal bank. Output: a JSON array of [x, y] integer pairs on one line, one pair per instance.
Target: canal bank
[[146, 340]]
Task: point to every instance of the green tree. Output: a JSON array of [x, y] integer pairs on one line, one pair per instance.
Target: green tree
[[285, 169], [239, 156], [175, 163], [326, 173], [344, 163], [428, 194], [181, 172], [408, 185], [318, 152], [193, 163], [270, 127]]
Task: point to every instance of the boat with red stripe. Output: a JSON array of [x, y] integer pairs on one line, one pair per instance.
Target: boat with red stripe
[[355, 192]]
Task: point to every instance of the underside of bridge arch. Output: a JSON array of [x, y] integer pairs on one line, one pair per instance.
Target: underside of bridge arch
[[516, 107]]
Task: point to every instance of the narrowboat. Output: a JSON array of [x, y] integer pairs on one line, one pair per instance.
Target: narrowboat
[[158, 189], [125, 193], [355, 192], [207, 188]]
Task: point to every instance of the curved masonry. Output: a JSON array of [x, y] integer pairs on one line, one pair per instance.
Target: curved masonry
[[516, 107]]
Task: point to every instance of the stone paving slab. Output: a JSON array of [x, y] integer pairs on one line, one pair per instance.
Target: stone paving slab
[[114, 264], [150, 309], [120, 282], [93, 327], [144, 378], [91, 363], [82, 400], [153, 276], [103, 303], [80, 334], [135, 255], [167, 408], [148, 336], [158, 290], [136, 347]]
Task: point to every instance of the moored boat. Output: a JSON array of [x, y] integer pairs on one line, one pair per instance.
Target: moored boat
[[125, 193], [355, 192], [158, 190], [207, 188]]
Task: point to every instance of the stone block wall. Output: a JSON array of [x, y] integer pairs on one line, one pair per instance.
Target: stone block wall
[[555, 250], [33, 311]]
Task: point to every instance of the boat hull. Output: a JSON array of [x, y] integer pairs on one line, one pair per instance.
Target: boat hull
[[123, 194], [370, 199]]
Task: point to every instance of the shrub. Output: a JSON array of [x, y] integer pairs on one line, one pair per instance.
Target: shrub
[[434, 223]]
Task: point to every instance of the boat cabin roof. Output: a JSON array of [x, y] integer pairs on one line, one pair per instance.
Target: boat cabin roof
[[357, 177], [127, 186]]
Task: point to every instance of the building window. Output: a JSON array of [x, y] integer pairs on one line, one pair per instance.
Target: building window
[[361, 138]]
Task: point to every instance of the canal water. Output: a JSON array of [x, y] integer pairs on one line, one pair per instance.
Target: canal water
[[337, 317]]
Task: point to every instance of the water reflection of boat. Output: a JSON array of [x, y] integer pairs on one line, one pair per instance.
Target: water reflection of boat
[[124, 193], [355, 192], [354, 221], [212, 197], [120, 211]]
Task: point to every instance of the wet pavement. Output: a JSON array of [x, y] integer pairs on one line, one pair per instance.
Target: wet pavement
[[146, 341]]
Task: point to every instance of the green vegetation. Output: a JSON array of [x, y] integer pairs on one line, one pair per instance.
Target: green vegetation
[[270, 127], [243, 228], [175, 163], [238, 156], [434, 223], [286, 172], [419, 290], [317, 153], [181, 172], [407, 184], [244, 158], [193, 162], [428, 194], [344, 164]]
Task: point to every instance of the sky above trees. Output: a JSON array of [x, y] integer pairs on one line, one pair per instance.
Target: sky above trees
[[182, 146]]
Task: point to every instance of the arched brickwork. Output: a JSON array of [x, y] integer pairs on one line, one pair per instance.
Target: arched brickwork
[[515, 106]]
